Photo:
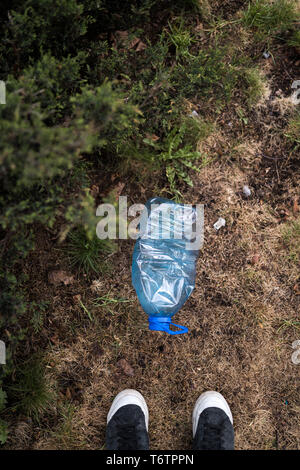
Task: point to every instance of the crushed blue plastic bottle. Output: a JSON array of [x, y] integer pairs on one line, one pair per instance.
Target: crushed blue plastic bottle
[[163, 266]]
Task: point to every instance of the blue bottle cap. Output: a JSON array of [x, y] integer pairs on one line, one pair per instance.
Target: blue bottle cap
[[163, 324]]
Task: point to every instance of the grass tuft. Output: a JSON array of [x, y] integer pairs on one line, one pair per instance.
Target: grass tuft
[[30, 394], [254, 85], [291, 239], [86, 254], [293, 131], [270, 17], [64, 436], [294, 40]]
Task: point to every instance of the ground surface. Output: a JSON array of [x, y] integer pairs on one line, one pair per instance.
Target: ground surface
[[242, 316]]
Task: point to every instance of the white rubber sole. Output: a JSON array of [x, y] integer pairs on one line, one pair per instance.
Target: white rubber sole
[[129, 397], [208, 400]]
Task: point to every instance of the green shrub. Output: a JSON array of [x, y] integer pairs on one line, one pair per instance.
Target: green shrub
[[62, 27], [54, 82], [159, 80], [38, 26], [205, 75], [35, 157], [112, 121], [50, 121]]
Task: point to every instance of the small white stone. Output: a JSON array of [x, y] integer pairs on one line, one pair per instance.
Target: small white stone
[[220, 223], [194, 114], [247, 191]]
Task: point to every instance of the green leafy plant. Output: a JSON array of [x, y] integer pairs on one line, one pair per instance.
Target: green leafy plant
[[180, 37], [167, 77], [38, 312], [242, 116], [33, 154], [177, 155]]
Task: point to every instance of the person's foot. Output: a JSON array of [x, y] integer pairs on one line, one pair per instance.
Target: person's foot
[[212, 423], [127, 422]]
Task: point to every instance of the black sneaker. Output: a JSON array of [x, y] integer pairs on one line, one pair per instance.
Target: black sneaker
[[212, 423], [127, 422]]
